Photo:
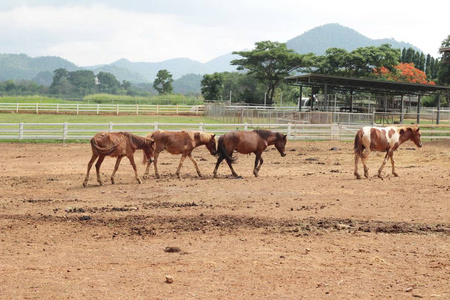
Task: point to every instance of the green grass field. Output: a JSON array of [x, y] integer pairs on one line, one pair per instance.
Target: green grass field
[[53, 118]]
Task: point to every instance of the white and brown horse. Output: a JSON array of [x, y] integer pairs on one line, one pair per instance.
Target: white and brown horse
[[385, 139], [246, 142], [117, 144], [182, 142]]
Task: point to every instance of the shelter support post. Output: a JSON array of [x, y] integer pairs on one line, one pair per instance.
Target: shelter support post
[[312, 98], [438, 109], [300, 100], [418, 109], [325, 97], [351, 101], [402, 116]]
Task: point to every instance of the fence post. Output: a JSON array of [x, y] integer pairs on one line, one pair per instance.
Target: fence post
[[245, 126], [57, 108], [177, 109], [37, 108], [78, 108], [157, 109], [64, 132], [156, 126], [110, 126], [200, 127], [20, 131], [137, 109], [117, 109], [98, 108], [289, 133], [17, 107]]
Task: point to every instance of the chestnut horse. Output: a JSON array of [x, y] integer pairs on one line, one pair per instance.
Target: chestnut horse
[[386, 139], [246, 142], [182, 142], [117, 144]]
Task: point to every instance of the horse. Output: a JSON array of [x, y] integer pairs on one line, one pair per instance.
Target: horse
[[117, 144], [246, 142], [386, 139], [182, 142]]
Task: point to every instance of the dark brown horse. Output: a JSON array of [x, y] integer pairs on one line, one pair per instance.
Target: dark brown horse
[[182, 142], [385, 139], [117, 144], [246, 142]]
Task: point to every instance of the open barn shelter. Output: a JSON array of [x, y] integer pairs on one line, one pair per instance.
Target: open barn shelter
[[390, 89]]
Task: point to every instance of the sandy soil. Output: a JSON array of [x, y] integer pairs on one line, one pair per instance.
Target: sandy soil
[[304, 229]]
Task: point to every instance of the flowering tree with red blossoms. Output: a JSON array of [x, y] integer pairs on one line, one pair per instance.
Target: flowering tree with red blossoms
[[405, 72]]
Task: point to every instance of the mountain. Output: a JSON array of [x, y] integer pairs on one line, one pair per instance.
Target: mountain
[[316, 40], [21, 66], [319, 39]]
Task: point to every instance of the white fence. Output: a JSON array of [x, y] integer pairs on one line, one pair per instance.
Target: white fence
[[81, 108], [84, 131]]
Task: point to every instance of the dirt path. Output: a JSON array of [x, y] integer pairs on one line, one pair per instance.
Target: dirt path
[[304, 229]]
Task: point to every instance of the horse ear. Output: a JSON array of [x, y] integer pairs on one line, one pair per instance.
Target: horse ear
[[284, 136], [402, 131], [213, 136]]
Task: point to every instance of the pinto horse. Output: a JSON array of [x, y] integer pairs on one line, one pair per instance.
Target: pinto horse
[[117, 144], [386, 139], [246, 142], [182, 142]]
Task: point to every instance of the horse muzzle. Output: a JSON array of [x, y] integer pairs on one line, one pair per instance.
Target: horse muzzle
[[283, 154]]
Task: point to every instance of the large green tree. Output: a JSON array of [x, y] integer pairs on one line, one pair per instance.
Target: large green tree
[[107, 83], [270, 62], [443, 73], [163, 82], [212, 86]]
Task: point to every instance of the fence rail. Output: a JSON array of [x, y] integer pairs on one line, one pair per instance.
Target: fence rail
[[82, 108], [84, 131]]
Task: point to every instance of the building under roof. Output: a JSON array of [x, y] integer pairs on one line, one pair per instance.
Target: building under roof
[[340, 83]]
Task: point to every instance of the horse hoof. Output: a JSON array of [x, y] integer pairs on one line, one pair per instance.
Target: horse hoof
[[395, 174], [358, 176], [85, 184], [140, 181]]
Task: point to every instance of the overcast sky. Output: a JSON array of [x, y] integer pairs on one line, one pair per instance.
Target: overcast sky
[[103, 31]]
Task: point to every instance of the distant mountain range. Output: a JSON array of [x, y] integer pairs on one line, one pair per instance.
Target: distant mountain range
[[316, 40]]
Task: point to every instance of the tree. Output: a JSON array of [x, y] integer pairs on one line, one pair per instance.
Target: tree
[[270, 62], [212, 86], [443, 73], [83, 82], [61, 84], [405, 72], [107, 83], [163, 82]]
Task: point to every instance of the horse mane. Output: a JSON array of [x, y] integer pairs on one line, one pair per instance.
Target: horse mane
[[264, 134], [413, 127], [138, 141]]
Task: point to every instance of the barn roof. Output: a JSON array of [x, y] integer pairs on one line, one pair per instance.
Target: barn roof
[[365, 85]]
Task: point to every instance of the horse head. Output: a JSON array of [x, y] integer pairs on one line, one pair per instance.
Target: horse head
[[149, 149], [414, 135], [280, 143], [211, 144]]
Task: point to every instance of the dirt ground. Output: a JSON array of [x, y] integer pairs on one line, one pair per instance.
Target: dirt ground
[[304, 229]]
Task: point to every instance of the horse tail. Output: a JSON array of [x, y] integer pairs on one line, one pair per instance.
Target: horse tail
[[100, 150], [358, 146], [222, 151]]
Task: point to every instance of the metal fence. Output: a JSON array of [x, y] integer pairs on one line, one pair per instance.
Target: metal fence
[[84, 131], [97, 109]]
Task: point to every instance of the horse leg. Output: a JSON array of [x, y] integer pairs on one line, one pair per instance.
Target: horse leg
[[97, 168], [195, 164], [219, 160], [155, 164], [116, 167], [355, 172], [232, 170], [93, 158], [383, 164], [131, 158], [256, 168], [183, 157], [393, 164], [147, 169]]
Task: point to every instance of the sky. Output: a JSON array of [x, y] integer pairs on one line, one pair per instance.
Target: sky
[[97, 32]]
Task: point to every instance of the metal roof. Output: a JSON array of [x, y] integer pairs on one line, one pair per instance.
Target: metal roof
[[365, 85]]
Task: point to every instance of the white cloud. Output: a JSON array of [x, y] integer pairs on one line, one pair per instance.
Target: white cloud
[[88, 34]]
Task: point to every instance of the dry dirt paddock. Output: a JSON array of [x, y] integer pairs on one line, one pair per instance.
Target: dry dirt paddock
[[305, 229]]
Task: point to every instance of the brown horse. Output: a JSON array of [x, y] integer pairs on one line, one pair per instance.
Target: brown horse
[[246, 142], [117, 144], [182, 142], [386, 139]]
